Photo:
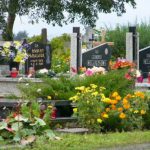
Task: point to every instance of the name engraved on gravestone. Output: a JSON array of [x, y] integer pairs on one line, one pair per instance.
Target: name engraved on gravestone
[[144, 61], [38, 56], [98, 57]]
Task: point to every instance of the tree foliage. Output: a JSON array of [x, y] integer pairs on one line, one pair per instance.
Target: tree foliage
[[59, 11], [20, 35]]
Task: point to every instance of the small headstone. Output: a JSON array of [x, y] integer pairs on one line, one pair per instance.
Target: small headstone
[[98, 57], [144, 61], [39, 56]]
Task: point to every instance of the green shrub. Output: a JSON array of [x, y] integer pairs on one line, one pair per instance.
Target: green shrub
[[63, 88]]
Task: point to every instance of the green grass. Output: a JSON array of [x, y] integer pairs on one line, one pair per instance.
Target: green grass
[[91, 141]]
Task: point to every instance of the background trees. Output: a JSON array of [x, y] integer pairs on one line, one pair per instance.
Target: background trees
[[57, 11]]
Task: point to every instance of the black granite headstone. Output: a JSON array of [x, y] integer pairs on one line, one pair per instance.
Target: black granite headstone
[[98, 56], [144, 61], [39, 56]]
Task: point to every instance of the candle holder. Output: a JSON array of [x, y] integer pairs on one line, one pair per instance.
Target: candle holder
[[14, 73]]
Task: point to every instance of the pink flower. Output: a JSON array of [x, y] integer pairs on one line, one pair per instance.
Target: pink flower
[[9, 129], [89, 72], [127, 76]]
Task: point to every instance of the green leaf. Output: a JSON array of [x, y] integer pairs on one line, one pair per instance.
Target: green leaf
[[40, 121], [16, 126], [50, 134], [16, 138], [1, 138], [21, 118], [3, 125]]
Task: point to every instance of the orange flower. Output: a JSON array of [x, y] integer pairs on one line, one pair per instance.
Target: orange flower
[[120, 109], [139, 94], [113, 102], [118, 98], [113, 107], [125, 101], [122, 116], [126, 106]]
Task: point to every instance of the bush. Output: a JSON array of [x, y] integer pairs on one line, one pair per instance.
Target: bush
[[63, 88], [96, 111]]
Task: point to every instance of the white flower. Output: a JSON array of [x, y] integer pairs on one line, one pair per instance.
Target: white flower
[[138, 73], [27, 84], [43, 71], [39, 90]]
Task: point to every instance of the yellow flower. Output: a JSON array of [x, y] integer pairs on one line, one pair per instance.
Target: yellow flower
[[104, 115], [136, 111], [50, 106], [122, 116], [81, 88], [139, 94], [99, 120], [106, 100], [75, 110], [49, 97], [128, 96], [94, 93], [115, 94], [143, 112], [107, 109], [93, 86], [74, 98]]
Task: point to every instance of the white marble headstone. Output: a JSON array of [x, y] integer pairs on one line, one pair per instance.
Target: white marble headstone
[[73, 61]]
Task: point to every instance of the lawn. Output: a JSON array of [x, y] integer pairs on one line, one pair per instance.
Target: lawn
[[91, 141]]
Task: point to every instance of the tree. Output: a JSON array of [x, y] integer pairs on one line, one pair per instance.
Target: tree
[[21, 35], [58, 11]]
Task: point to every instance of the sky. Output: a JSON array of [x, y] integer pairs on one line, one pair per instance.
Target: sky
[[131, 17]]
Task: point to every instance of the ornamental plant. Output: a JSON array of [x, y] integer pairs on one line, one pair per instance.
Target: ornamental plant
[[98, 112], [89, 106], [29, 120], [14, 51]]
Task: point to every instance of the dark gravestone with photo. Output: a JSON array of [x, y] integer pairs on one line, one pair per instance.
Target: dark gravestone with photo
[[39, 56], [144, 61], [98, 56]]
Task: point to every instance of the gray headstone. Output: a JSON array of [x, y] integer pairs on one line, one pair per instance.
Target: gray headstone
[[144, 61]]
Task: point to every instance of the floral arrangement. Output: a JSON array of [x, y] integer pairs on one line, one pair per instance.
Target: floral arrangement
[[14, 51], [121, 63], [96, 111], [132, 73]]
